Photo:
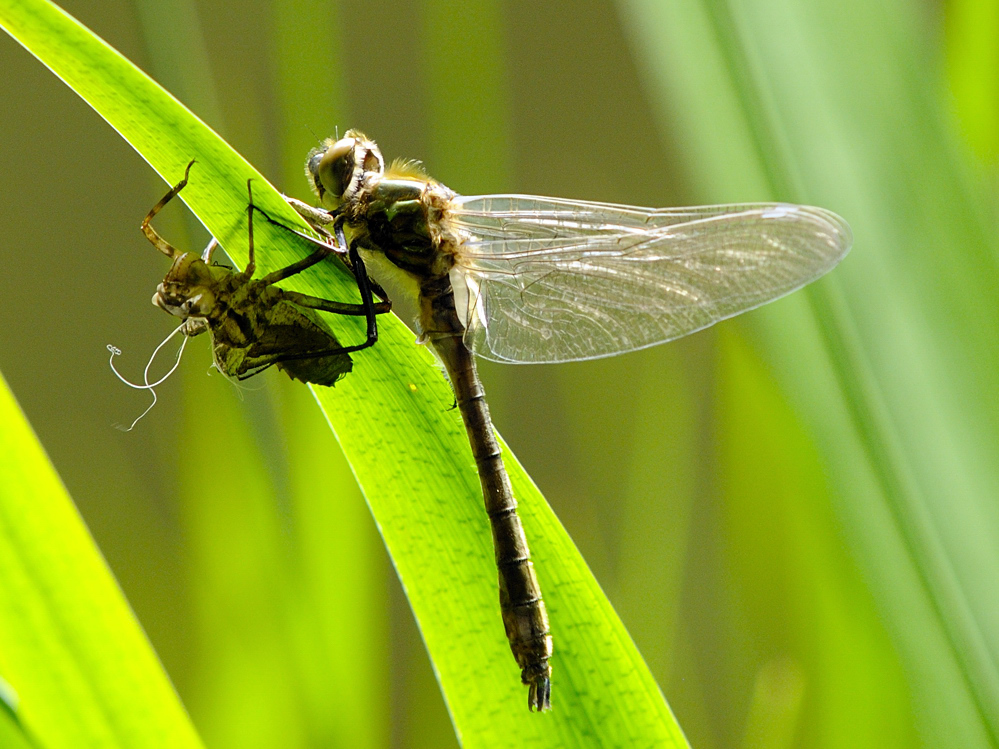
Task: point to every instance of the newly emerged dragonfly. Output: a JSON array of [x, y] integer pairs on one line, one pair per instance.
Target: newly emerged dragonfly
[[526, 279], [253, 324]]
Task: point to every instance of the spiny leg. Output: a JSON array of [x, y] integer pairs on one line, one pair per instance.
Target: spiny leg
[[305, 263], [251, 263], [155, 239], [327, 241], [324, 248], [361, 274], [318, 218], [315, 217], [368, 307], [337, 308]]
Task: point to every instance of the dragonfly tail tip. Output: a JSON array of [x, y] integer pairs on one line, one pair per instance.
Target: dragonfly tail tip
[[539, 697]]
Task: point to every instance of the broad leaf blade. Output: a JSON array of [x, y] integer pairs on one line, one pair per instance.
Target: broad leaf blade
[[83, 670], [394, 419]]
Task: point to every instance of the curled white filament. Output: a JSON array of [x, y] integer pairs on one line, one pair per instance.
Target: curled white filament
[[145, 373]]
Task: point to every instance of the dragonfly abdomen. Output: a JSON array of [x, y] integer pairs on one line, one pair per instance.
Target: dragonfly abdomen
[[525, 618]]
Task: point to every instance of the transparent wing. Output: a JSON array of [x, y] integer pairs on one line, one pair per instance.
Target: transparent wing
[[551, 280]]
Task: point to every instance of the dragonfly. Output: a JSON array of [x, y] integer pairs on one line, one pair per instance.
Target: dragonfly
[[253, 323], [530, 279]]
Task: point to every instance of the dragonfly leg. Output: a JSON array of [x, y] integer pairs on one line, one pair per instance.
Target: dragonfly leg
[[363, 285], [155, 239], [327, 239], [318, 256], [325, 248], [316, 217], [251, 263], [368, 307], [337, 308]]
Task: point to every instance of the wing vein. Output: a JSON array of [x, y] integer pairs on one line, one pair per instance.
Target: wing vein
[[561, 280]]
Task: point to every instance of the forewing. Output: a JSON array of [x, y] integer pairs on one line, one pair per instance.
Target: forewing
[[554, 280]]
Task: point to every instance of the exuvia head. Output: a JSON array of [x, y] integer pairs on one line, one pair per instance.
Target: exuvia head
[[187, 289], [338, 168]]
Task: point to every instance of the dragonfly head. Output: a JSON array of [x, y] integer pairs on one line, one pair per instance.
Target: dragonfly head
[[338, 169], [188, 288]]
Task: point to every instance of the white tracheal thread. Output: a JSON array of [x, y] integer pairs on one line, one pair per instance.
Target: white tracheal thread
[[145, 373], [237, 384]]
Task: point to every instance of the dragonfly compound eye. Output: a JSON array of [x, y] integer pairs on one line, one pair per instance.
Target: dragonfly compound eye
[[334, 169]]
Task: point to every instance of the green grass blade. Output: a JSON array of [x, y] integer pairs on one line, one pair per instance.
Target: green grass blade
[[13, 734], [405, 444], [82, 668], [972, 46], [464, 43], [342, 565], [892, 360], [828, 641], [270, 593]]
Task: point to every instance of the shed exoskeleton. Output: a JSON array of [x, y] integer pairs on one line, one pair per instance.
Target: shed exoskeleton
[[253, 323]]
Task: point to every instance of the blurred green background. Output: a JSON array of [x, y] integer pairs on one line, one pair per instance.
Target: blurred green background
[[795, 513]]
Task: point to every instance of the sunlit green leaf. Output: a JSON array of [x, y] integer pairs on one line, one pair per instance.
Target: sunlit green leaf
[[406, 445], [76, 667]]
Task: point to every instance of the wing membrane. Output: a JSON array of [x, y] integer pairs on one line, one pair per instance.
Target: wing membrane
[[553, 280]]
